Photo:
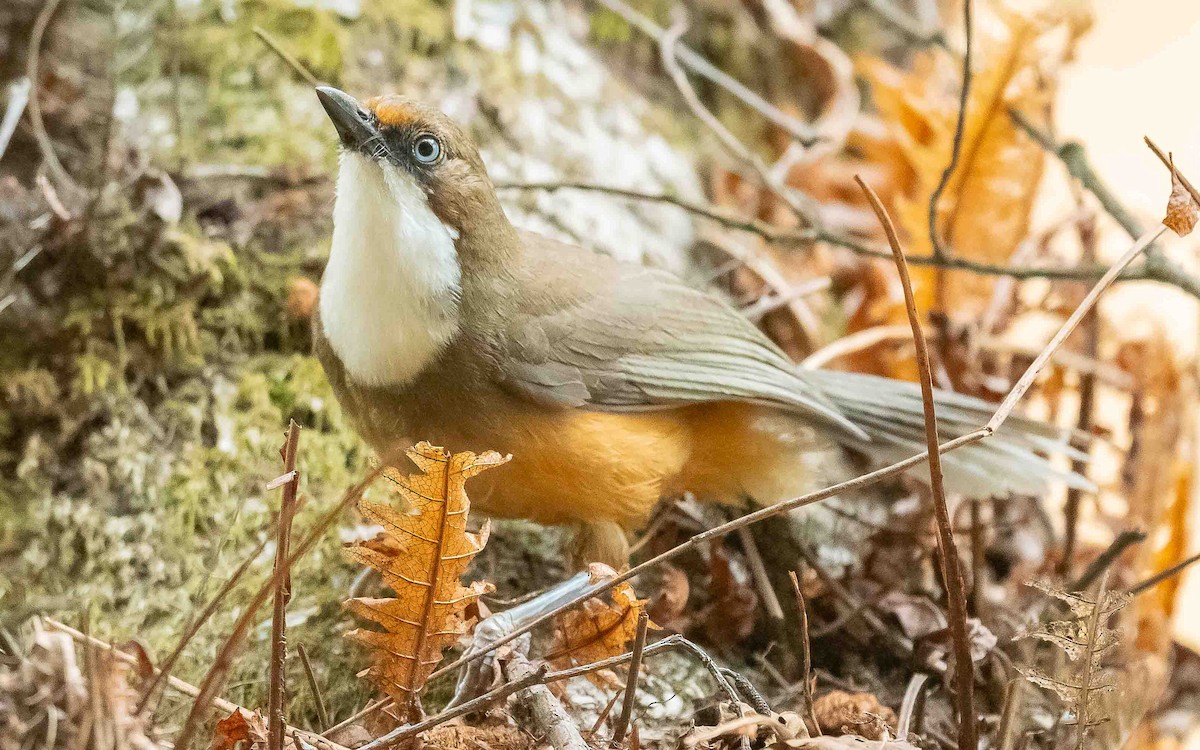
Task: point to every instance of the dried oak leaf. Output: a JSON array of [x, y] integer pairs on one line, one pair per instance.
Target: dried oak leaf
[[422, 554], [1182, 209], [597, 629], [240, 726]]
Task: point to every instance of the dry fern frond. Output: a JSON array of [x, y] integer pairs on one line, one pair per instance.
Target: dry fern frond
[[422, 554], [1085, 639]]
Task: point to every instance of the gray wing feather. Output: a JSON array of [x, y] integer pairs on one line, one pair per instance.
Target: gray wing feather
[[649, 341]]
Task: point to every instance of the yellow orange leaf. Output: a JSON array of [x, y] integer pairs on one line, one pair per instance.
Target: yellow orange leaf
[[597, 629], [422, 555], [984, 212]]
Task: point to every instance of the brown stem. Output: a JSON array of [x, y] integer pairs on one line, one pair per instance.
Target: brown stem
[[282, 593], [314, 686], [287, 57], [960, 125], [635, 667], [810, 716], [1166, 160], [956, 588]]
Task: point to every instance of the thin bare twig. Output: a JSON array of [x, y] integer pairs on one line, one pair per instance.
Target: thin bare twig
[[1014, 396], [703, 68], [220, 704], [806, 211], [541, 713], [960, 125], [810, 716], [898, 644], [956, 591], [314, 686], [1105, 559], [635, 668], [36, 123], [286, 56], [1162, 270], [1166, 160], [1158, 578], [213, 681], [283, 591]]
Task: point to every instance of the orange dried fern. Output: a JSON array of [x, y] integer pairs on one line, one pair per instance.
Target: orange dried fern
[[422, 555]]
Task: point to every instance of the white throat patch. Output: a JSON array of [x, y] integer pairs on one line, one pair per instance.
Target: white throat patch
[[390, 290]]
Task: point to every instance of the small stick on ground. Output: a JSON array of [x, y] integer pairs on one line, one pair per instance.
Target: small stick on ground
[[220, 704], [318, 698], [899, 645], [283, 591], [762, 582], [956, 588], [635, 667], [539, 712], [810, 716]]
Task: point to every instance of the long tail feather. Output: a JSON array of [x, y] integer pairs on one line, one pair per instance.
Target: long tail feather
[[891, 412]]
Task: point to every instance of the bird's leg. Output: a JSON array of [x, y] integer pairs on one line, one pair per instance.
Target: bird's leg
[[598, 541], [477, 676]]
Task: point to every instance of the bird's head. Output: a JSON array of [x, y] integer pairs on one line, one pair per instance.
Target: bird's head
[[414, 145]]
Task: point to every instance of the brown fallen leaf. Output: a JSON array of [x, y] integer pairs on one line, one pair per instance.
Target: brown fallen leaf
[[241, 726], [733, 613], [422, 555], [1182, 209], [597, 629], [839, 712], [667, 607]]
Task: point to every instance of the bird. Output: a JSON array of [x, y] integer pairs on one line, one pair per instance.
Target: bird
[[611, 384]]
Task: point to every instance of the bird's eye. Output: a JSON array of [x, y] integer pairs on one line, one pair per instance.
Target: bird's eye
[[426, 149]]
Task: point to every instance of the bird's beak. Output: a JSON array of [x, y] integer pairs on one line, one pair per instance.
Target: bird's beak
[[353, 124]]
